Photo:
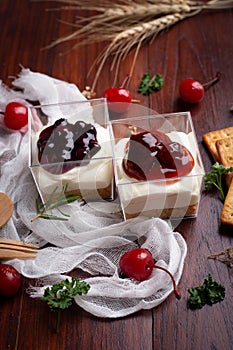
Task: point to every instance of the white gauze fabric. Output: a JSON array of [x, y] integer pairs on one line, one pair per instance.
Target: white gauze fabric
[[92, 240]]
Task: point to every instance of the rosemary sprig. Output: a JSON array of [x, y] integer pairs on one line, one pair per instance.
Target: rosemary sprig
[[54, 202]]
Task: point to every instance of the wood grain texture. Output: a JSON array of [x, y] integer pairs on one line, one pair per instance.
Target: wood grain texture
[[6, 208], [197, 47]]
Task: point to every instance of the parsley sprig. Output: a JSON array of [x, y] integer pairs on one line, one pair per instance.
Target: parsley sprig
[[54, 202], [60, 295], [211, 292], [214, 178], [150, 84]]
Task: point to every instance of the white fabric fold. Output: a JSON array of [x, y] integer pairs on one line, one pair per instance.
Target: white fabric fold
[[91, 240]]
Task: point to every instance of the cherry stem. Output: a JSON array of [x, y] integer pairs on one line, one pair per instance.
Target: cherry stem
[[125, 82], [176, 292], [213, 81]]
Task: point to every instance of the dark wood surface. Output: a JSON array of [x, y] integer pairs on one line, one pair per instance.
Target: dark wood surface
[[198, 47]]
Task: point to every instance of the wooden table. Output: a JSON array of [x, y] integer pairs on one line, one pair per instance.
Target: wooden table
[[199, 47]]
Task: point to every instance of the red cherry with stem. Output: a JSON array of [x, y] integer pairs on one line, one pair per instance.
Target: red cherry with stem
[[192, 91], [139, 264], [118, 99], [10, 280], [15, 116]]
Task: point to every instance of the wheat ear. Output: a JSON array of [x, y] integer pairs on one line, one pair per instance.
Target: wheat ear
[[113, 20], [127, 25], [124, 41]]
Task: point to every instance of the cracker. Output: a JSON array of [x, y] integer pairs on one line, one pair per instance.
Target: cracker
[[225, 153], [226, 217], [211, 137]]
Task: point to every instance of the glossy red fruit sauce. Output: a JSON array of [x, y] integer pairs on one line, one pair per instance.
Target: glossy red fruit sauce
[[153, 156]]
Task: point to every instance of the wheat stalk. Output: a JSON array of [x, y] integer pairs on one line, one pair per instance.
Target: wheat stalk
[[116, 19], [127, 25], [127, 39]]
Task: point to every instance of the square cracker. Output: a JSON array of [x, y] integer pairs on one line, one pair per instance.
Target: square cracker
[[211, 137], [225, 154], [227, 210]]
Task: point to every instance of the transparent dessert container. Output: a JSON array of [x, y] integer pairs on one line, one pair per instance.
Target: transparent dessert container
[[91, 178], [174, 197]]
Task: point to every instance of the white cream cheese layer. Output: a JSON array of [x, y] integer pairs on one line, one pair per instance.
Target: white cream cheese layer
[[88, 178], [141, 196]]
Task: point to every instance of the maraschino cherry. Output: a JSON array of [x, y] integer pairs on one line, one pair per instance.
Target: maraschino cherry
[[10, 280], [192, 91], [16, 115], [139, 264], [118, 98]]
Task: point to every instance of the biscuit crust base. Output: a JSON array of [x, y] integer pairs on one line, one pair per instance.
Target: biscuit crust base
[[167, 213], [89, 194]]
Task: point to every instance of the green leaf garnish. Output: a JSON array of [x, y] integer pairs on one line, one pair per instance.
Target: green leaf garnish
[[150, 84], [211, 292], [60, 295], [214, 178], [54, 202]]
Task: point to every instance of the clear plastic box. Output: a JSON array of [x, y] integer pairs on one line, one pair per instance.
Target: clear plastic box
[[92, 177], [175, 197]]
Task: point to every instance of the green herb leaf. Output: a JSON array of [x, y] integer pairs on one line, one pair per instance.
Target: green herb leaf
[[54, 202], [60, 295], [211, 292], [50, 217], [213, 178], [150, 84]]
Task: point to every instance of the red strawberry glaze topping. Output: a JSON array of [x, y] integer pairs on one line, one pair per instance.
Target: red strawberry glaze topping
[[152, 156]]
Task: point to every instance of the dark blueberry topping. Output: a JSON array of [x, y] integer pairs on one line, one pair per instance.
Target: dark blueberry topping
[[64, 143]]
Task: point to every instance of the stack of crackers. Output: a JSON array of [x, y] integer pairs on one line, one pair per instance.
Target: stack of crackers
[[220, 145]]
